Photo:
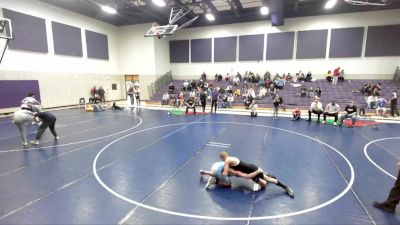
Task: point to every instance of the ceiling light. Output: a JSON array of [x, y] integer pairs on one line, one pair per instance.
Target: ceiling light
[[159, 3], [330, 4], [210, 17], [264, 10], [108, 9]]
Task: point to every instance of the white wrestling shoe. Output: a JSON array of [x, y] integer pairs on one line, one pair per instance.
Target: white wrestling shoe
[[256, 187], [202, 172], [24, 143], [36, 142], [211, 183], [57, 137]]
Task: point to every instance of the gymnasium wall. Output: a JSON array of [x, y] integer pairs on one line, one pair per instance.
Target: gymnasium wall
[[146, 56], [64, 79], [355, 67]]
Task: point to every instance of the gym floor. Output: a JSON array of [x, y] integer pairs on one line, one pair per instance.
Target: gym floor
[[142, 167]]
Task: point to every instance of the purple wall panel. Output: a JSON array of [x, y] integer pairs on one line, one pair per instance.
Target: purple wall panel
[[29, 32], [97, 45], [383, 41], [200, 50], [251, 47], [225, 49], [280, 46], [13, 91], [311, 44], [179, 51], [346, 42], [67, 39]]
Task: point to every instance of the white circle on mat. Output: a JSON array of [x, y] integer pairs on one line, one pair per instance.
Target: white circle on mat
[[372, 161], [341, 194]]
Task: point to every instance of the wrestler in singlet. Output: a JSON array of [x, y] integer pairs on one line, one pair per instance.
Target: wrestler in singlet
[[244, 167]]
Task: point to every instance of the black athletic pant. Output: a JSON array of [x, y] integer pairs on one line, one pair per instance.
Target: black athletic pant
[[315, 112], [331, 114], [393, 109], [214, 104], [394, 195], [203, 105], [194, 109], [43, 126]]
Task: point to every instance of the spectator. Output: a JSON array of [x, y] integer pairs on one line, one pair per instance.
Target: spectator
[[185, 85], [237, 92], [303, 91], [190, 104], [316, 108], [280, 83], [171, 88], [393, 104], [341, 76], [165, 99], [262, 92], [296, 114], [350, 112], [93, 92], [267, 76], [329, 76], [318, 92], [214, 100], [130, 95], [219, 77], [372, 101], [366, 89], [308, 77], [203, 76], [253, 108], [172, 101], [224, 100], [332, 109], [181, 98], [277, 102], [376, 90], [272, 91], [101, 93], [336, 74], [381, 106], [136, 93], [311, 93], [389, 205], [231, 98]]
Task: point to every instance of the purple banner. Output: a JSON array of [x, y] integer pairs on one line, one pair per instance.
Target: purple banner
[[13, 91]]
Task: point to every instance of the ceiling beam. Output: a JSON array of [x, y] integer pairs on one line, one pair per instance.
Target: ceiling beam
[[150, 12], [211, 6], [234, 8], [239, 6], [185, 7]]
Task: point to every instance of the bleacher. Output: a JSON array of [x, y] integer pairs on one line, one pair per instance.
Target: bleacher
[[342, 93]]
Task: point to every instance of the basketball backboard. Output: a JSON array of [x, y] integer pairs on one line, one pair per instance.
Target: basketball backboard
[[5, 28]]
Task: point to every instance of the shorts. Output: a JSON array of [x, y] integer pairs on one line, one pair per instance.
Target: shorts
[[223, 179]]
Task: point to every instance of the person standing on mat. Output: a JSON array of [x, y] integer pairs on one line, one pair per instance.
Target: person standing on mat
[[214, 100], [262, 179], [203, 99], [389, 205], [20, 118], [48, 120]]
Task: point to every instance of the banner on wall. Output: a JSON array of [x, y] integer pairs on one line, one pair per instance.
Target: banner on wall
[[13, 91]]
